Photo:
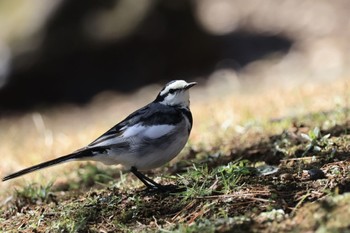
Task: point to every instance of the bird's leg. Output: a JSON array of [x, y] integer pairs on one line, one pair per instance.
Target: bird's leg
[[154, 186], [151, 184]]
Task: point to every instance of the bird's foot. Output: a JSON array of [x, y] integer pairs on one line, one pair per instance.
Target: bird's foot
[[164, 189]]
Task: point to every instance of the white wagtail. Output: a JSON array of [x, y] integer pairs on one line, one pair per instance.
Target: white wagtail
[[146, 139]]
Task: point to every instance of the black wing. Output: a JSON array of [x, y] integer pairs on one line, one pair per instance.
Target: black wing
[[152, 114]]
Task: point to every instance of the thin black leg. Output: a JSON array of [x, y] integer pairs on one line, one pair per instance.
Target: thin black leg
[[153, 186], [147, 181]]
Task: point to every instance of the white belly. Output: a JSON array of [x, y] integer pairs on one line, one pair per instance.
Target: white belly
[[161, 156], [145, 154]]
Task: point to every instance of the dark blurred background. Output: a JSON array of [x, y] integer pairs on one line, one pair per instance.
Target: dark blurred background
[[68, 51]]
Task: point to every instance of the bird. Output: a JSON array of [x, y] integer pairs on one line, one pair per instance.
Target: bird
[[146, 139]]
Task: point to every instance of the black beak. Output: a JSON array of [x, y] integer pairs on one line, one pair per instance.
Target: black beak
[[189, 85]]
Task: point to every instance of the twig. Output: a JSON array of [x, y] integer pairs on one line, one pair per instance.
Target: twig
[[234, 195], [303, 158]]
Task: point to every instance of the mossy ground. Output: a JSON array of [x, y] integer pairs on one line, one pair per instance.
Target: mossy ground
[[233, 138]]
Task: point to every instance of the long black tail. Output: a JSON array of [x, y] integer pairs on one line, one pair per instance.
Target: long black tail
[[66, 158]]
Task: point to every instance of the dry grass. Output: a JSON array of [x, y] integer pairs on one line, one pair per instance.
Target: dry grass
[[39, 136], [232, 123]]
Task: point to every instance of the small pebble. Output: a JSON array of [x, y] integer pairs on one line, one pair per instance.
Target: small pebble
[[265, 170], [286, 177], [316, 174]]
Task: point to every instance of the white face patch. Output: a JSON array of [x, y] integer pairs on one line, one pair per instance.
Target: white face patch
[[155, 131], [178, 84], [180, 96]]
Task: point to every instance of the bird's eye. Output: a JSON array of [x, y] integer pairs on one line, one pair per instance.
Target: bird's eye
[[171, 91]]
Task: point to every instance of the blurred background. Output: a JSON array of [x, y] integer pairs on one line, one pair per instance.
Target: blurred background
[[70, 70], [62, 51]]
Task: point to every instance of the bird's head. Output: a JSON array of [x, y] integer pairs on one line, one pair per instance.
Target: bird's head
[[175, 93]]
